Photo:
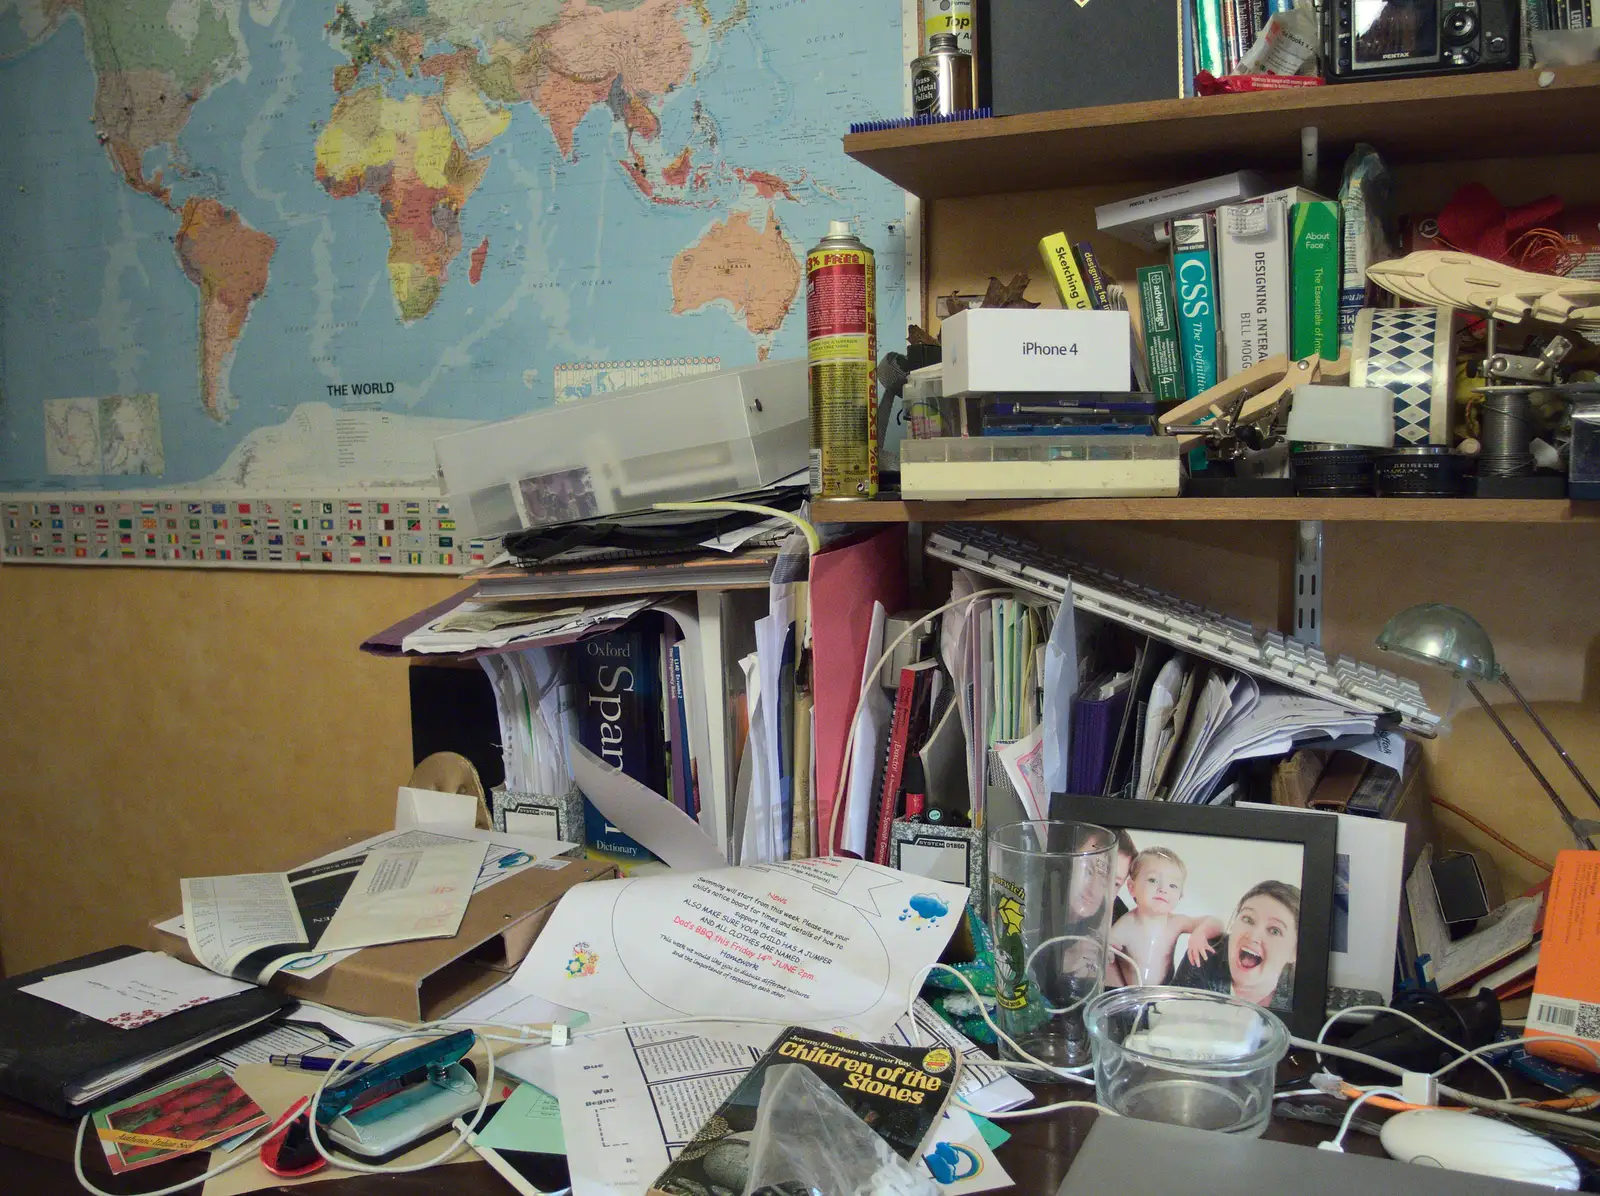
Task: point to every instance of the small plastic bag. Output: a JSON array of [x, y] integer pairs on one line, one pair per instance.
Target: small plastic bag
[[807, 1142]]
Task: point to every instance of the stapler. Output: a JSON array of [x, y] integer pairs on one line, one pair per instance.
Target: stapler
[[385, 1109]]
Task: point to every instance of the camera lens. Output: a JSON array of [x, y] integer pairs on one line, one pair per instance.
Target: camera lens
[[1460, 24]]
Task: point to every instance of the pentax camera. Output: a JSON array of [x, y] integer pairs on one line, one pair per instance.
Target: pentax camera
[[1403, 39]]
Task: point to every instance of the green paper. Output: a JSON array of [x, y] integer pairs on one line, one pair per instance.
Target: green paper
[[530, 1120], [992, 1134]]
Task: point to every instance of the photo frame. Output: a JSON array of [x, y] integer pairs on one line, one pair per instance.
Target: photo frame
[[1230, 864]]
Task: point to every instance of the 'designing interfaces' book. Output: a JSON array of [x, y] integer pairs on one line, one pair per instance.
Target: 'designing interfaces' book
[[898, 1091]]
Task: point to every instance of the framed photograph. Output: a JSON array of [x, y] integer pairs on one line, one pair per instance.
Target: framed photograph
[[1222, 898]]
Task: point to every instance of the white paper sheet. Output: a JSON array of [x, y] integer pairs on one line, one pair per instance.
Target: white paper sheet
[[1023, 761], [458, 811], [404, 894], [1060, 682], [135, 990], [1368, 873], [643, 814], [225, 918], [825, 942], [628, 1099], [762, 838]]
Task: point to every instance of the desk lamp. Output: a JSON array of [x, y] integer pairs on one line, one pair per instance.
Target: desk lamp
[[1447, 637]]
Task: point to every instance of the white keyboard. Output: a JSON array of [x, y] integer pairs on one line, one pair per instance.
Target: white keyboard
[[1267, 654]]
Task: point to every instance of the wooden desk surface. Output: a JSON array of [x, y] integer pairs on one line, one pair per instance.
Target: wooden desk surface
[[36, 1154]]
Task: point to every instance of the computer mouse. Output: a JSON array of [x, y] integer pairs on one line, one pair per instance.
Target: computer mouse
[[1459, 1141]]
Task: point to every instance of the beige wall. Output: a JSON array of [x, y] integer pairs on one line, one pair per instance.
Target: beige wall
[[162, 723], [158, 723]]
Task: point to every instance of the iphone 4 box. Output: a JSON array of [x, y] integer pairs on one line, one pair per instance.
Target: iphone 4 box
[[989, 350]]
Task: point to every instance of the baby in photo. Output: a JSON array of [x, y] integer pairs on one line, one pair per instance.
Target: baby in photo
[[1147, 934]]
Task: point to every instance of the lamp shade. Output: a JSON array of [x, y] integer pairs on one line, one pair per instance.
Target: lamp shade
[[1443, 636]]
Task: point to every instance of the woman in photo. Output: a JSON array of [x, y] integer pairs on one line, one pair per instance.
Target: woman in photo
[[1254, 960]]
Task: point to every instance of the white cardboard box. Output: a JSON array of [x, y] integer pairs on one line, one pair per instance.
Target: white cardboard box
[[999, 350]]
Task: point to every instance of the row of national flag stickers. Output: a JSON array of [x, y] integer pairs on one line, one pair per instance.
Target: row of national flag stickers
[[369, 532]]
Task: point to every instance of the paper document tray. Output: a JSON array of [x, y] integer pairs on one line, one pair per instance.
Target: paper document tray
[[432, 978]]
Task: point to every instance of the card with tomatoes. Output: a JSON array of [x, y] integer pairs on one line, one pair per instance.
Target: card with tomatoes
[[193, 1112]]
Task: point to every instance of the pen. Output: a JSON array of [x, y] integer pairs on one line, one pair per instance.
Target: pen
[[304, 1062]]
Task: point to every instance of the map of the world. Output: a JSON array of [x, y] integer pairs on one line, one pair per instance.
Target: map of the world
[[277, 246]]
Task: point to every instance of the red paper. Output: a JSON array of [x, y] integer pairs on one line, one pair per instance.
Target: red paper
[[1207, 84], [845, 582]]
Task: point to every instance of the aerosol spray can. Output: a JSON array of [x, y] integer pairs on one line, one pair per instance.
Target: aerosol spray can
[[842, 353]]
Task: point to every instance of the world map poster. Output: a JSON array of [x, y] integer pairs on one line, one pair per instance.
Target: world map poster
[[256, 255]]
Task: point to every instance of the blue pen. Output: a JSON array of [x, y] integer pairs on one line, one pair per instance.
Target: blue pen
[[304, 1062]]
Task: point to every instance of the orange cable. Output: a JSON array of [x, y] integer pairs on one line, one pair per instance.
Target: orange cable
[[1492, 833]]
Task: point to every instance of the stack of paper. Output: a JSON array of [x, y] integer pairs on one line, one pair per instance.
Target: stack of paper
[[1200, 719], [476, 625], [538, 722]]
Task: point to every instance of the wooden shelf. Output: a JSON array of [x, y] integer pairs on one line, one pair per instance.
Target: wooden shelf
[[1168, 510], [1501, 114]]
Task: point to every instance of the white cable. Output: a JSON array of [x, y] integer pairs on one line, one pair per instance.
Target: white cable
[[1511, 1043], [243, 1156], [830, 845], [1426, 1029], [1039, 1064], [462, 1137], [1350, 1115], [1014, 1114], [1455, 1094], [1027, 966]]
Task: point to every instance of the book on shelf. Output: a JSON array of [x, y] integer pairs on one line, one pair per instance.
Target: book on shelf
[[1253, 283], [1194, 275], [1314, 282], [618, 683], [1062, 266], [1160, 333], [907, 732], [1210, 44], [1093, 276]]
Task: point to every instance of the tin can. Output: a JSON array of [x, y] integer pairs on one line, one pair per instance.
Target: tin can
[[941, 80], [841, 356], [948, 16]]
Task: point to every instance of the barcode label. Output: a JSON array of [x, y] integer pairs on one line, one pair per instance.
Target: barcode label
[[1545, 1012], [1562, 1015]]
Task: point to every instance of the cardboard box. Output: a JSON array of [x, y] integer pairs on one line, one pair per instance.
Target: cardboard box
[[1022, 350], [432, 978], [1566, 988]]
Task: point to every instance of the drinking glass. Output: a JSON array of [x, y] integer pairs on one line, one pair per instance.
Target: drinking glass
[[1049, 909]]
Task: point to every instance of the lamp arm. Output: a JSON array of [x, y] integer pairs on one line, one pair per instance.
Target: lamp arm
[[1560, 751], [1566, 814]]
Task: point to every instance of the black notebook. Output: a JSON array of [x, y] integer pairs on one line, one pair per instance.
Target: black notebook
[[67, 1063]]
